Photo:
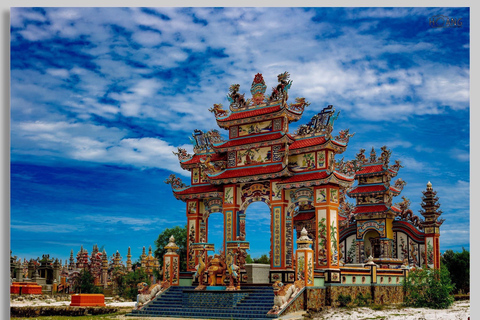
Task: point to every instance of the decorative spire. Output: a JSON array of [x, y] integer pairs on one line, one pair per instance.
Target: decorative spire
[[171, 246], [304, 241], [129, 260], [430, 210]]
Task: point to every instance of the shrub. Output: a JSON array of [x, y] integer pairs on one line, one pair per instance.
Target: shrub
[[363, 300], [429, 288], [343, 301]]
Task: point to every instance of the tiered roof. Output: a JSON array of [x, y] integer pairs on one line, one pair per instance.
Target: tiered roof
[[260, 124], [374, 193]]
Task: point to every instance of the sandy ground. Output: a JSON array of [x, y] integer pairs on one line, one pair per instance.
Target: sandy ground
[[460, 310]]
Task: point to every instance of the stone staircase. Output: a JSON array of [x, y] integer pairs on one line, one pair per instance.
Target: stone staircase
[[249, 303]]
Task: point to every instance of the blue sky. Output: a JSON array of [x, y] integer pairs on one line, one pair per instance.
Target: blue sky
[[101, 96]]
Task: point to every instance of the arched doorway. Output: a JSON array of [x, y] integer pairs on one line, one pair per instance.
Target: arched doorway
[[215, 230], [372, 244], [258, 229]]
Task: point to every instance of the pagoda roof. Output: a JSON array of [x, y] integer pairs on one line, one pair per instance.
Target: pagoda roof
[[396, 209], [313, 143], [377, 208], [377, 168], [243, 114], [395, 190], [368, 189], [306, 177], [315, 178], [250, 171], [196, 158], [307, 142], [200, 191], [261, 138]]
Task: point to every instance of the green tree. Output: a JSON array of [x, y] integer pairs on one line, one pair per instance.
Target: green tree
[[85, 283], [263, 259], [429, 288], [458, 264], [180, 235]]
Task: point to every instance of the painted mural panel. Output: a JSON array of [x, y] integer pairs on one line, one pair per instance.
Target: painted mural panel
[[331, 160], [277, 124], [321, 195], [350, 249], [302, 162], [192, 207], [191, 239], [195, 176], [321, 159], [234, 132], [334, 195], [310, 270], [333, 238], [276, 192], [413, 253], [429, 243], [228, 196], [252, 128], [203, 176], [322, 238], [422, 254], [254, 156], [402, 246], [300, 265], [277, 155], [232, 159], [175, 268], [277, 236]]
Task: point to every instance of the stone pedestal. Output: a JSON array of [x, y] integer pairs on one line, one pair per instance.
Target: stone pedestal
[[257, 273], [304, 259], [171, 264]]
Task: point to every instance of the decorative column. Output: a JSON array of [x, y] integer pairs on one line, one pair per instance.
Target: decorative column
[[304, 259], [171, 263], [282, 232], [194, 219], [326, 244], [431, 226], [231, 229]]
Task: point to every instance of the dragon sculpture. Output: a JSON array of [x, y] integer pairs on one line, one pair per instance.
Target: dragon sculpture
[[236, 99], [175, 182], [182, 154], [218, 110], [299, 105], [407, 214], [281, 90]]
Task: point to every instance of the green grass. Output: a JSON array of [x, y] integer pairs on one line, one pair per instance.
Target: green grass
[[108, 316]]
